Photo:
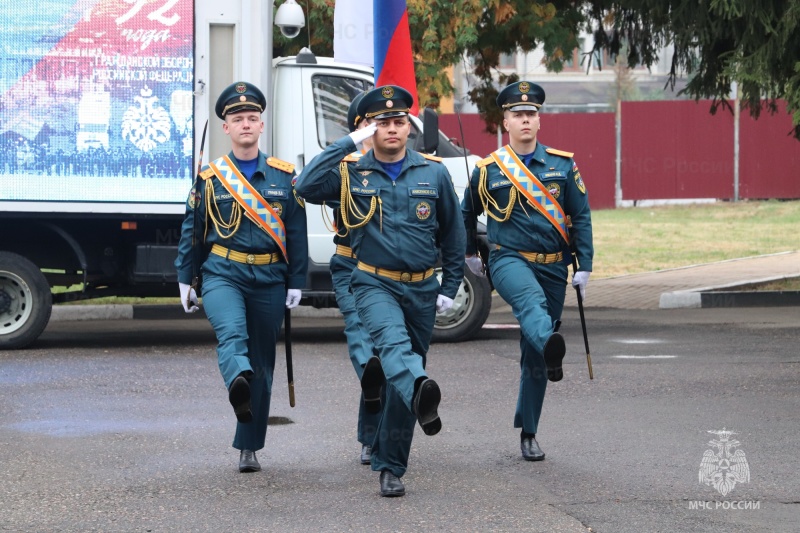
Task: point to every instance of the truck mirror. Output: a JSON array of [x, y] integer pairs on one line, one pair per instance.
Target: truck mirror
[[430, 133]]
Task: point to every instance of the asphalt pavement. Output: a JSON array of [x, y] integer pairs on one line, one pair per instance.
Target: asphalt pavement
[[124, 425]]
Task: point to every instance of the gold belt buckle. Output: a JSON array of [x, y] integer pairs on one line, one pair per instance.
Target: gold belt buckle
[[251, 259], [405, 276], [540, 258]]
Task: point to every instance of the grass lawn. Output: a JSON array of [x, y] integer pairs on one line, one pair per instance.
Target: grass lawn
[[643, 239]]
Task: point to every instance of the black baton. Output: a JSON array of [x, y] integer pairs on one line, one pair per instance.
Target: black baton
[[287, 337], [583, 319]]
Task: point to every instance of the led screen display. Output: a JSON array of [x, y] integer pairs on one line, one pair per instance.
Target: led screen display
[[96, 100]]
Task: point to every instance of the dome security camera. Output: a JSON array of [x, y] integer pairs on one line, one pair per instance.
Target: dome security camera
[[290, 19]]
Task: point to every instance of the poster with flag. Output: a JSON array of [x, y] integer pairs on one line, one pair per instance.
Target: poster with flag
[[394, 62], [98, 92]]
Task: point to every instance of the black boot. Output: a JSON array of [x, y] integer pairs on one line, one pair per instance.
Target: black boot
[[554, 350], [366, 454], [248, 461], [391, 485], [425, 403], [371, 382], [530, 448], [239, 396]]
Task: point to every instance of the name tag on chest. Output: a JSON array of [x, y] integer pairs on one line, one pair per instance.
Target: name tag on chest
[[279, 194]]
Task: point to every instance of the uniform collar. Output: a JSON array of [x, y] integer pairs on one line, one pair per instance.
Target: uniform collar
[[539, 153], [261, 165], [368, 161]]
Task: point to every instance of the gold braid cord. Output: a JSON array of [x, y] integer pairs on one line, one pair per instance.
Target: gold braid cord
[[330, 223], [489, 202], [228, 229], [349, 207]]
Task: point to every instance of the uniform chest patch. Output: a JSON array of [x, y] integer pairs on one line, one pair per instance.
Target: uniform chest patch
[[499, 184], [277, 207], [275, 193], [423, 210], [554, 189]]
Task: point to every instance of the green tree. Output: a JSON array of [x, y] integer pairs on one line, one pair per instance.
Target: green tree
[[755, 43]]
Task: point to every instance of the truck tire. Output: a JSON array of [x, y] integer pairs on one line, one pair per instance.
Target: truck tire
[[25, 301], [470, 310]]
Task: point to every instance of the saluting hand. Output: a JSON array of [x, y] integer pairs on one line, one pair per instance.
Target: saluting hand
[[363, 134]]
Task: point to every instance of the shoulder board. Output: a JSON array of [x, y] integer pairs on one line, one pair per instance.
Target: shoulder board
[[285, 166], [350, 158], [206, 173], [559, 152], [432, 158], [484, 162]]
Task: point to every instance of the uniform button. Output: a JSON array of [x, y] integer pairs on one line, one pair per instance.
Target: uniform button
[[540, 258], [405, 276], [251, 259]]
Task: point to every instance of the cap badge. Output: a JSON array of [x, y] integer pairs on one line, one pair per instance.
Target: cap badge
[[387, 92], [389, 104], [524, 97], [524, 87], [241, 87], [242, 98]]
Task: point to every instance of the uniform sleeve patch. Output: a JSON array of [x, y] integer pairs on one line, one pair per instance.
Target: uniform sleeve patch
[[579, 183]]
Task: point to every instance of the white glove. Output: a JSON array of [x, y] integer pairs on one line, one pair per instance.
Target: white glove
[[363, 134], [188, 296], [581, 279], [443, 303], [475, 265], [293, 298]]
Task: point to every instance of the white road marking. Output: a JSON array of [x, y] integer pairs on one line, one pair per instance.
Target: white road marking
[[644, 356], [638, 341], [500, 326]]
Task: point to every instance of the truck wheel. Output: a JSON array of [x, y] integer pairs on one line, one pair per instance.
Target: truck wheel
[[470, 310], [25, 301]]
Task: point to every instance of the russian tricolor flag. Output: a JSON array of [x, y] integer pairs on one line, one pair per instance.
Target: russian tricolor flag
[[394, 64], [390, 41]]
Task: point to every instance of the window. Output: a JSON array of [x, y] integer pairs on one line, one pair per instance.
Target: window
[[572, 62], [508, 61], [332, 97]]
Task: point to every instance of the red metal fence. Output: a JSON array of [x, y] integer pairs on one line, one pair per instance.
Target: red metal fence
[[670, 150]]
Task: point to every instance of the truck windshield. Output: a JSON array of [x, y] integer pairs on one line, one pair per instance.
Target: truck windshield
[[332, 97]]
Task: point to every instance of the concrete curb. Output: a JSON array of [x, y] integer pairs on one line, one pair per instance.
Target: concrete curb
[[717, 296], [67, 313]]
